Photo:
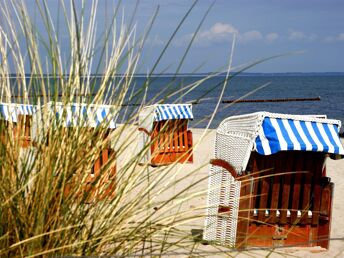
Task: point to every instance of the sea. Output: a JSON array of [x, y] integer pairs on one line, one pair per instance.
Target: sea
[[317, 94]]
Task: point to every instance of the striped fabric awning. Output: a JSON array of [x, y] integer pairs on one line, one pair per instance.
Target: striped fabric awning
[[173, 111], [10, 111], [84, 115], [282, 134]]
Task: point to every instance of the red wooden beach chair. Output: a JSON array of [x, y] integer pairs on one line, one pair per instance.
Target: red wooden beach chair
[[268, 182], [165, 129], [19, 118], [101, 181]]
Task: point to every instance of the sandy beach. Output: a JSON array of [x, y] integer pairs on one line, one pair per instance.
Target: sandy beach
[[204, 148]]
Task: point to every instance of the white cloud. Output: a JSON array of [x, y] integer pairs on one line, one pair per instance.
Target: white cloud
[[271, 37], [339, 37], [296, 35], [299, 35], [312, 36], [155, 41], [223, 28], [329, 39], [219, 32], [250, 35], [224, 32]]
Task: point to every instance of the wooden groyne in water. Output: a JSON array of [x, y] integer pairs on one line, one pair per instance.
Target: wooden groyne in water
[[195, 102]]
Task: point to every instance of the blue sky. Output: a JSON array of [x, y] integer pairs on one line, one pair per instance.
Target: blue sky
[[263, 28]]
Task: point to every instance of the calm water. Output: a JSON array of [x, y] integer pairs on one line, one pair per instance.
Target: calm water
[[329, 88]]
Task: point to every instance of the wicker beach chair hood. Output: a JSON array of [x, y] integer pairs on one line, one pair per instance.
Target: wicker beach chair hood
[[269, 133]]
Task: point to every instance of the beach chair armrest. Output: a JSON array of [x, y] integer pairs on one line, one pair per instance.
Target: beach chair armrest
[[141, 129], [224, 164]]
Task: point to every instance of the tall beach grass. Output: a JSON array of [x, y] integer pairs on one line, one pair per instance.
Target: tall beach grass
[[45, 207]]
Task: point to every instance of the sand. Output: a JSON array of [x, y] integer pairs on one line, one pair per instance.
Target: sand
[[203, 152]]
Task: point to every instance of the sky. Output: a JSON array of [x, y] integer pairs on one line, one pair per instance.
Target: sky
[[263, 28], [312, 30]]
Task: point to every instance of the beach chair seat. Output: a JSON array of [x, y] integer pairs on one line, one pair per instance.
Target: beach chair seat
[[165, 129], [101, 181], [268, 182]]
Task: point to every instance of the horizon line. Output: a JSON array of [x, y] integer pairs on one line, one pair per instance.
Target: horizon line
[[99, 75]]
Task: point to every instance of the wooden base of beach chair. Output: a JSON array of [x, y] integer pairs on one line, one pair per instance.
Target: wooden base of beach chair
[[100, 184], [285, 200], [171, 142]]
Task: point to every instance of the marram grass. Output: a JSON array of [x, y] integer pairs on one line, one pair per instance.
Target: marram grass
[[45, 206]]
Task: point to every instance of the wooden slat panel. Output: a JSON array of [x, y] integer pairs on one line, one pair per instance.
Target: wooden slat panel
[[171, 130], [181, 140], [175, 136], [291, 192], [171, 135], [154, 139], [288, 235], [22, 131], [173, 142], [243, 214], [265, 188], [307, 187], [288, 159], [27, 126], [160, 136], [185, 140], [190, 145], [254, 170], [296, 188], [105, 156], [184, 130], [325, 215], [156, 142], [106, 181], [319, 160], [96, 167], [326, 196], [167, 137], [275, 190]]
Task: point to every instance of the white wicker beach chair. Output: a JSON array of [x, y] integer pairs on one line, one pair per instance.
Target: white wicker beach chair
[[267, 182], [164, 131]]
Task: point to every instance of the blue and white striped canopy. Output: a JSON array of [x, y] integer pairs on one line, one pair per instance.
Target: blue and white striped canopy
[[173, 111], [282, 134], [10, 111], [84, 115]]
